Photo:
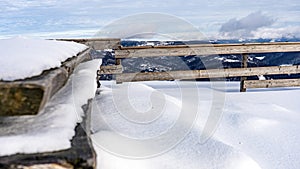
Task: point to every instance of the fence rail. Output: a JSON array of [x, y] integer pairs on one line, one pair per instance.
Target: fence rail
[[272, 83], [202, 50], [205, 49], [208, 73]]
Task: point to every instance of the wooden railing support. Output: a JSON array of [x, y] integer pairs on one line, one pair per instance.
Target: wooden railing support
[[243, 78]]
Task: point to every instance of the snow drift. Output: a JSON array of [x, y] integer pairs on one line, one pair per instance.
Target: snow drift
[[258, 130]]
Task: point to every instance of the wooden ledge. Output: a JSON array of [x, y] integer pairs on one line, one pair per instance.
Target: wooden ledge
[[28, 96]]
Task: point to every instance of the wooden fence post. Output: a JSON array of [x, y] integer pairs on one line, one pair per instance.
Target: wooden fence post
[[244, 65], [118, 63]]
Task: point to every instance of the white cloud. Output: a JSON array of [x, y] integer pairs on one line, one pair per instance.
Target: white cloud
[[257, 25], [287, 32], [245, 26], [151, 25], [21, 4], [251, 22], [35, 16]]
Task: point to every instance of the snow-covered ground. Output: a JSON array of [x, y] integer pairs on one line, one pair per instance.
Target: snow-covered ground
[[179, 124], [258, 129]]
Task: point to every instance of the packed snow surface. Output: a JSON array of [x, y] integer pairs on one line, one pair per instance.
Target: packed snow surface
[[24, 57], [258, 129]]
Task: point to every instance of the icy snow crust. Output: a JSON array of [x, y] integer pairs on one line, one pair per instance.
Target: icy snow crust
[[258, 130], [23, 57]]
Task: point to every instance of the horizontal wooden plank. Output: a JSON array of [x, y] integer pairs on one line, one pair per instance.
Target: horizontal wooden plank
[[28, 96], [101, 45], [211, 73], [111, 69], [272, 83], [251, 71], [206, 49]]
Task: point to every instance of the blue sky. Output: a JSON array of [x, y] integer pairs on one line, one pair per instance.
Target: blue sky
[[215, 19]]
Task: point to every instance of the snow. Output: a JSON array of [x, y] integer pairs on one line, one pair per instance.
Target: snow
[[24, 57], [231, 60], [227, 60], [258, 129], [261, 77], [266, 125], [286, 65], [154, 124], [53, 128], [260, 57]]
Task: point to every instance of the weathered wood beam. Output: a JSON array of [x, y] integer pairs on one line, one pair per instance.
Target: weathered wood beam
[[111, 69], [210, 73], [206, 49], [251, 71], [244, 65], [28, 96], [272, 83]]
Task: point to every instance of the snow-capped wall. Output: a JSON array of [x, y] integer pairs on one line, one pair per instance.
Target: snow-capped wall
[[23, 57]]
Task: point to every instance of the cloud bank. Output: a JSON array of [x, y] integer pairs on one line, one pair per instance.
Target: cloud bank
[[244, 27], [64, 18]]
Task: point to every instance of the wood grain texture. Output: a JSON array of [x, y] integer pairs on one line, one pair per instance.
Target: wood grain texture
[[28, 96], [272, 83], [111, 69], [210, 73], [244, 65], [206, 49]]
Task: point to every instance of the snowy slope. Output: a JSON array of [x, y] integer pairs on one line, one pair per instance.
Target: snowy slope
[[257, 130], [23, 57], [264, 125]]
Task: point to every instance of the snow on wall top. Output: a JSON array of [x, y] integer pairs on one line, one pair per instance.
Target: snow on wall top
[[53, 128], [23, 57]]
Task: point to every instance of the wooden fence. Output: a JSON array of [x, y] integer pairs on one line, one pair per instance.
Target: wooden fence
[[202, 50]]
